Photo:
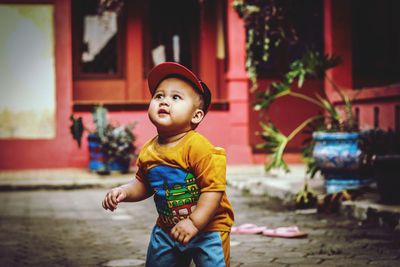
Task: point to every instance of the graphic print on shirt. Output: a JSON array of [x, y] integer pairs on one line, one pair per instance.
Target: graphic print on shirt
[[176, 193]]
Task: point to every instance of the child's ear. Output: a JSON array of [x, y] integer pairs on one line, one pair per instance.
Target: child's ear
[[198, 116]]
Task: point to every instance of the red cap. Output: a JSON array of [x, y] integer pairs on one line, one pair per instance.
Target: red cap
[[165, 69]]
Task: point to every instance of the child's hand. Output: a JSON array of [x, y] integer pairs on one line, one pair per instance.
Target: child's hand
[[184, 231], [113, 197]]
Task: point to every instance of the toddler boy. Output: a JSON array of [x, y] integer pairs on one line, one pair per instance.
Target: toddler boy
[[184, 172]]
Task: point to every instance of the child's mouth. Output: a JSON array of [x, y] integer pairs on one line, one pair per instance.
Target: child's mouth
[[163, 111]]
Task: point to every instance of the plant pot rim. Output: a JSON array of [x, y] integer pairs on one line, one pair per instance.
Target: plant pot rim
[[335, 135]]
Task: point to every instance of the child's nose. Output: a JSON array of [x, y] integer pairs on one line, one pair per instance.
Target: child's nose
[[164, 102]]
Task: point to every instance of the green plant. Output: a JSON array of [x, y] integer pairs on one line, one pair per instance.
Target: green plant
[[312, 64], [77, 127], [267, 25], [117, 141], [305, 198]]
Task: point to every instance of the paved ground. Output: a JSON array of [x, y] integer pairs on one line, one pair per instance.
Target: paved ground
[[69, 228], [249, 178]]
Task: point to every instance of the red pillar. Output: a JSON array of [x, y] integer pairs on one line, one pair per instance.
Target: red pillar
[[237, 86], [337, 37]]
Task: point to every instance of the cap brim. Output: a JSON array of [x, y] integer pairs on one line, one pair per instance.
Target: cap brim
[[161, 71]]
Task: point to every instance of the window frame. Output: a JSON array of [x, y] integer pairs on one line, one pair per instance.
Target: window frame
[[194, 36], [77, 35], [130, 92]]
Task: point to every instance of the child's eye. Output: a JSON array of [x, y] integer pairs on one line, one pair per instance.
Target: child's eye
[[158, 96], [176, 97]]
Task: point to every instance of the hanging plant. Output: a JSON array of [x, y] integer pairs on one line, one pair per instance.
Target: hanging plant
[[267, 25], [110, 6]]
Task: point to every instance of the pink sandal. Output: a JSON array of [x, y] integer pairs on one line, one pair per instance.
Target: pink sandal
[[248, 228], [286, 232]]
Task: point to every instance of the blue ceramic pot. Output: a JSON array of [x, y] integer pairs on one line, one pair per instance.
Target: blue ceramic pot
[[339, 158], [119, 166], [97, 159]]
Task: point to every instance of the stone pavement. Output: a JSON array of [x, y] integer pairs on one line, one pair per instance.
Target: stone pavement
[[70, 228], [71, 178], [249, 179], [365, 208]]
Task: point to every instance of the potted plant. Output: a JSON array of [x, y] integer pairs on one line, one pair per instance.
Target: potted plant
[[118, 147], [334, 148], [383, 151], [111, 147]]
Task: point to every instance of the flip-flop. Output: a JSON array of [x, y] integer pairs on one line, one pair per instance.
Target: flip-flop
[[248, 228], [286, 232]]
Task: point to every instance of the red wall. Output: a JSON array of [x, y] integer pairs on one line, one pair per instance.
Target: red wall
[[337, 33], [57, 152], [286, 113], [232, 129], [144, 130], [225, 128]]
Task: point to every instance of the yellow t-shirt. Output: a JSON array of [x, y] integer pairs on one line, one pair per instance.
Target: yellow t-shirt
[[178, 175]]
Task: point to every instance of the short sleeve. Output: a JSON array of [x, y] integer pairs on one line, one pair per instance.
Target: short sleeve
[[211, 171], [141, 171], [140, 175]]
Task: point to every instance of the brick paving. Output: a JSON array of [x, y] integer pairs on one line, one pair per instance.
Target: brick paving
[[69, 228]]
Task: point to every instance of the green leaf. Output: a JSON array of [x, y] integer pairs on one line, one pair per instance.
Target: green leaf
[[100, 120], [275, 145], [76, 129], [300, 81]]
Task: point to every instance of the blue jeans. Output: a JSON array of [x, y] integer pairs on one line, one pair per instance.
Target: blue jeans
[[205, 249]]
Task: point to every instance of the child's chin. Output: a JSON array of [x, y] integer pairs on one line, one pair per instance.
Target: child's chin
[[162, 126], [160, 121]]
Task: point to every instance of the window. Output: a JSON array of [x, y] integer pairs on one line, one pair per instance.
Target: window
[[173, 33], [376, 43], [98, 54], [306, 16], [98, 42], [112, 54]]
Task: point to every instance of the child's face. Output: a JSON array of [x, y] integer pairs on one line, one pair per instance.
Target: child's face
[[174, 107]]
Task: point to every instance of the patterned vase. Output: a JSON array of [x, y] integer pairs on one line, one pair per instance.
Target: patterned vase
[[119, 166], [97, 159], [339, 158]]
